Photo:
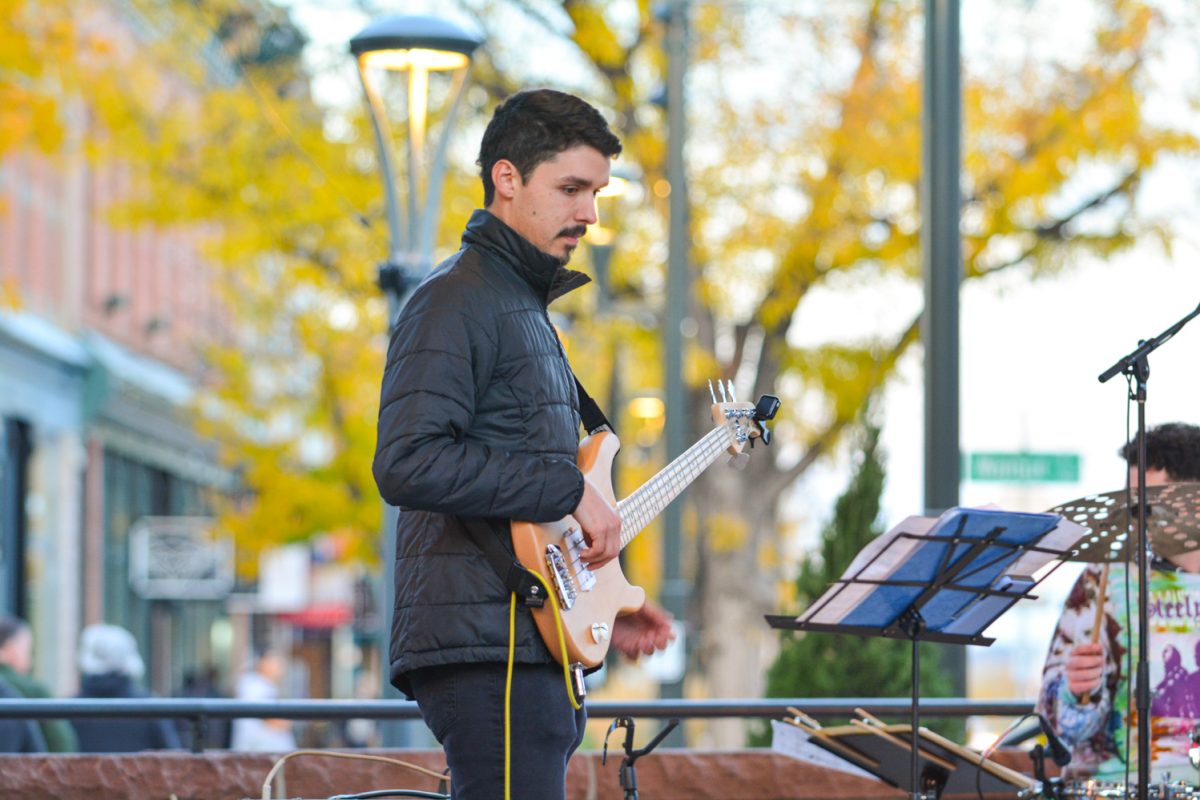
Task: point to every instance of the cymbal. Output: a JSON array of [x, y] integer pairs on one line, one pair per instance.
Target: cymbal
[[1172, 522]]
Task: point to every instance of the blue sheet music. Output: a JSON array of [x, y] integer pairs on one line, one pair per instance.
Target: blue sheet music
[[955, 610]]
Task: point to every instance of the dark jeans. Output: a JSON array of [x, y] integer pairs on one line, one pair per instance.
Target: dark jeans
[[463, 704]]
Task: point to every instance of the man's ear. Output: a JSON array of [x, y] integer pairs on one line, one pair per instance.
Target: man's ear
[[505, 178]]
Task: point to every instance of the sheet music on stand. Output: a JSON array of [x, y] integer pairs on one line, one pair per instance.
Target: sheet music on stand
[[961, 571], [944, 580]]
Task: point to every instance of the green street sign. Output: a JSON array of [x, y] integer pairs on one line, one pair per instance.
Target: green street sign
[[1022, 467]]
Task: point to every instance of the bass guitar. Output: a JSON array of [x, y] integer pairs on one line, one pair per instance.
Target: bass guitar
[[589, 601]]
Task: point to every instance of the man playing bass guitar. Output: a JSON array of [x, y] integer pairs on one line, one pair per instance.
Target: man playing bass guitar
[[479, 420]]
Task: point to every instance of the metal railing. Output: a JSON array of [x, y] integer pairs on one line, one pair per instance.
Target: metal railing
[[200, 712]]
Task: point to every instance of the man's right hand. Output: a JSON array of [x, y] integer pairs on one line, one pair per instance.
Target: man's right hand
[[1085, 668], [601, 527]]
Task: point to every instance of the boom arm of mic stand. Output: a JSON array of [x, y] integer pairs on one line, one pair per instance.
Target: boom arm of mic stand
[[1145, 348], [653, 743]]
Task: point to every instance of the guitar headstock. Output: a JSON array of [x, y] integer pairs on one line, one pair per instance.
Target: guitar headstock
[[746, 422]]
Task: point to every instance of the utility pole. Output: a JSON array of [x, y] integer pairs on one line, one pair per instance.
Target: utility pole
[[941, 256], [675, 590]]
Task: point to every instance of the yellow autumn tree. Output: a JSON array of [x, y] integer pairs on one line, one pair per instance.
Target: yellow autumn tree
[[211, 106], [45, 54], [31, 44], [293, 388]]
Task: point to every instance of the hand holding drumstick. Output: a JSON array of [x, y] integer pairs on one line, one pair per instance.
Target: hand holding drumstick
[[1085, 664]]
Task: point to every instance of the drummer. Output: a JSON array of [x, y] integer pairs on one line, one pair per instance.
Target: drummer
[[1084, 682]]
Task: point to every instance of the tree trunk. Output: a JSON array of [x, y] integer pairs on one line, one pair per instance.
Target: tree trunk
[[735, 585]]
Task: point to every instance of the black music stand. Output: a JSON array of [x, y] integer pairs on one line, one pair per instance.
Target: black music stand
[[884, 751], [940, 580]]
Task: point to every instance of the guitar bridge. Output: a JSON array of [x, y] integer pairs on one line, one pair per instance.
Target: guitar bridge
[[564, 584]]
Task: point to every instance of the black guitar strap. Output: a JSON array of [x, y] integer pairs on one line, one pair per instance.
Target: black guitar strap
[[589, 410], [497, 546]]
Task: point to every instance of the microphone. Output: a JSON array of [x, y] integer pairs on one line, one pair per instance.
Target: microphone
[[1058, 749]]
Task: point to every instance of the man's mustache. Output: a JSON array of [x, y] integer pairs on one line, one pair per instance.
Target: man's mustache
[[575, 233]]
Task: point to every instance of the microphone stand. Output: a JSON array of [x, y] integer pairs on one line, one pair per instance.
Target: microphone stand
[[1137, 366]]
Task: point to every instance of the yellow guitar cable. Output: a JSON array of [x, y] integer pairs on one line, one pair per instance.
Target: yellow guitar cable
[[562, 642]]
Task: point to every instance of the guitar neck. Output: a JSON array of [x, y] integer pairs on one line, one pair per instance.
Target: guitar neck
[[641, 508]]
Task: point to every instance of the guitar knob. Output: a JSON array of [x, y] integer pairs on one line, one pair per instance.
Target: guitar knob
[[599, 632]]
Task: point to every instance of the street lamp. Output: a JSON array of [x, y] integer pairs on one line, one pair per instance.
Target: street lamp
[[433, 57], [403, 61], [601, 241]]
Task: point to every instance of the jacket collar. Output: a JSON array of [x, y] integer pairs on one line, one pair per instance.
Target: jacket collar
[[544, 274]]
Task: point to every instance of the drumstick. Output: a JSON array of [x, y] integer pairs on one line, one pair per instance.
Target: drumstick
[[1101, 597]]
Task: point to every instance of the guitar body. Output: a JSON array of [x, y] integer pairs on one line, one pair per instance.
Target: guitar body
[[589, 601]]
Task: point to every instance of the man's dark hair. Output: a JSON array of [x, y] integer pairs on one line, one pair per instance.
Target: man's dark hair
[[9, 627], [1173, 447], [536, 125]]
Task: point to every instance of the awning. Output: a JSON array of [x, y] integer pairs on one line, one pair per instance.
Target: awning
[[323, 616]]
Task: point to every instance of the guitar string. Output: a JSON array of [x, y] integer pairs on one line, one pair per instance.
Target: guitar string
[[651, 498], [641, 507]]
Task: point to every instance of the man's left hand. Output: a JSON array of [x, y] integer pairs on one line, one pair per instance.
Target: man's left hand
[[644, 631]]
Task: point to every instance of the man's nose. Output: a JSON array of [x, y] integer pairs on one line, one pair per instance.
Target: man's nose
[[586, 211]]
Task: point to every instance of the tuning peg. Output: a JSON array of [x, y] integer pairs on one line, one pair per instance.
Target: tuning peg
[[721, 386], [711, 392], [732, 391], [766, 433]]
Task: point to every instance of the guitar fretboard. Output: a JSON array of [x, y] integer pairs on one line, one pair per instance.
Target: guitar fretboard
[[641, 507]]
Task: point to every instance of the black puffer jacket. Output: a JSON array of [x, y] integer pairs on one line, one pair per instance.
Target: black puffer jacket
[[478, 417]]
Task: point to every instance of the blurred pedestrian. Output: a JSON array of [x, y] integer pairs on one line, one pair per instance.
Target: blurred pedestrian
[[359, 731], [19, 735], [16, 666], [203, 684], [111, 667], [261, 684]]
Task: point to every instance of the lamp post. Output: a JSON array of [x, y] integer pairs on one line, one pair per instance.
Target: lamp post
[[601, 241], [405, 61], [415, 49]]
